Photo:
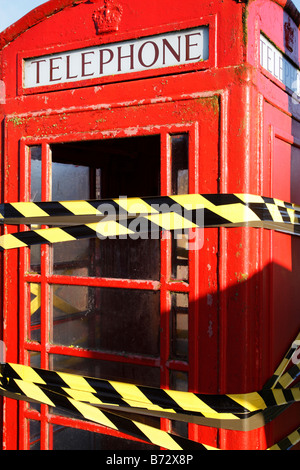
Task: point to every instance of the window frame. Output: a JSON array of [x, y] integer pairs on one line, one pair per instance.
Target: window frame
[[166, 285]]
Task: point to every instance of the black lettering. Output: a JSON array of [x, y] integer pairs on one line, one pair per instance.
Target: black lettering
[[52, 68], [68, 69], [37, 62], [156, 54], [188, 46], [102, 62], [84, 64], [130, 56], [171, 49]]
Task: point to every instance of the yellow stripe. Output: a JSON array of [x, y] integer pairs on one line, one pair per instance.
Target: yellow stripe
[[87, 397], [158, 437], [171, 221], [235, 213], [275, 213], [76, 382], [92, 414], [27, 374], [35, 304], [250, 401], [8, 241], [190, 201], [80, 208], [135, 206], [250, 198], [29, 209], [134, 397], [32, 391], [54, 235], [109, 229], [190, 402]]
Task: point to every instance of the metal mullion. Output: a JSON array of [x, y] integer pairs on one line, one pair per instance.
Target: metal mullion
[[104, 282], [194, 271], [24, 318], [45, 293], [165, 300]]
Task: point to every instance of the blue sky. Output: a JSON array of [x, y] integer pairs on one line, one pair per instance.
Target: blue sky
[[12, 10]]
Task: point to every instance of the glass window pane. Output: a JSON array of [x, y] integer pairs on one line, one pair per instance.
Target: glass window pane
[[35, 312], [179, 327], [96, 318], [108, 370], [179, 381], [180, 185], [105, 169], [35, 196], [34, 435], [65, 438], [36, 173]]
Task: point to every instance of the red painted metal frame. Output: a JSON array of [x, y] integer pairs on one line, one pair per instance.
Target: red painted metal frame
[[165, 285], [145, 32]]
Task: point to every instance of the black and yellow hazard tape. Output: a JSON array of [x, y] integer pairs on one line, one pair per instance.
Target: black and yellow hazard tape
[[288, 442], [73, 393], [18, 389], [103, 392], [279, 378], [100, 400], [114, 218]]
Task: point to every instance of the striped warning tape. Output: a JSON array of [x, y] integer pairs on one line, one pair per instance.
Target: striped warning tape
[[134, 216], [100, 401], [104, 392], [82, 402], [288, 442], [278, 374], [19, 389]]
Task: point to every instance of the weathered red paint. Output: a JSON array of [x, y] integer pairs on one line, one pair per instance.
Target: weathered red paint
[[242, 124]]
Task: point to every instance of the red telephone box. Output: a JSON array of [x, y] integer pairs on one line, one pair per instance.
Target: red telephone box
[[105, 98]]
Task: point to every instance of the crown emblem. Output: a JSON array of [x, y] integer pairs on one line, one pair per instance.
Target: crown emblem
[[107, 18], [289, 33]]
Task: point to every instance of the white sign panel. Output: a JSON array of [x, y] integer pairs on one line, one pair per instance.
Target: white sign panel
[[274, 61], [160, 51]]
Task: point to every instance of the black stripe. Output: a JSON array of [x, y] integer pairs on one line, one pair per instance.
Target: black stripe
[[160, 397], [105, 207], [268, 397], [212, 219], [50, 377], [261, 211], [31, 238], [106, 393], [54, 208], [222, 404], [288, 395], [187, 444], [284, 214], [268, 200], [8, 372], [140, 225], [80, 231], [285, 444], [163, 204], [126, 426], [223, 199], [8, 211]]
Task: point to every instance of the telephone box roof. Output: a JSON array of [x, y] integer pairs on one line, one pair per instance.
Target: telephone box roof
[[52, 7]]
